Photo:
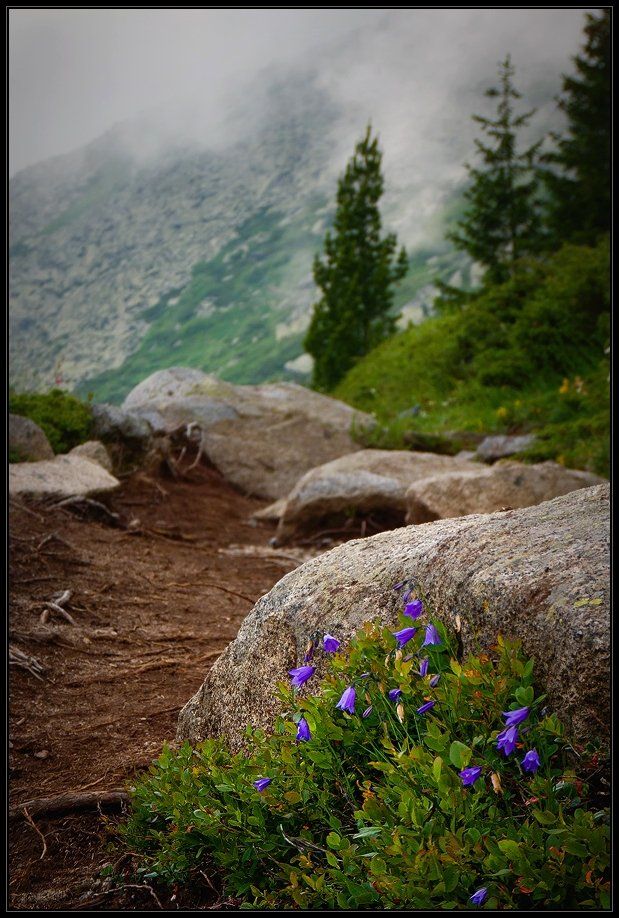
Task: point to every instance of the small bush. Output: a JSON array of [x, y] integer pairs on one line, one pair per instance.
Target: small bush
[[406, 803], [65, 420]]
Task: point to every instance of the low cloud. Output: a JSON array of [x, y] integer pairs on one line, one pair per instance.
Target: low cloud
[[200, 77]]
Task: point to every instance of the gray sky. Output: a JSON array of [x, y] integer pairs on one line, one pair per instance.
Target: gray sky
[[75, 73]]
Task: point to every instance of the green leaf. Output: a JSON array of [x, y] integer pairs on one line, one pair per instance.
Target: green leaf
[[334, 840], [459, 754], [525, 696], [573, 846], [510, 848], [368, 832], [544, 817], [332, 860], [224, 788], [437, 767]]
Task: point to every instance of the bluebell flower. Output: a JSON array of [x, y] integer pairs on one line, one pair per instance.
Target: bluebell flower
[[470, 775], [423, 667], [394, 694], [506, 740], [531, 761], [513, 718], [347, 701], [262, 783], [426, 707], [301, 674], [330, 643], [435, 680], [414, 609], [479, 897], [432, 636], [403, 636], [303, 731], [367, 712]]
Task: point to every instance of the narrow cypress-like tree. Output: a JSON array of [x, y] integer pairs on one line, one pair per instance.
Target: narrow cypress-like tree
[[579, 208], [502, 221], [356, 273]]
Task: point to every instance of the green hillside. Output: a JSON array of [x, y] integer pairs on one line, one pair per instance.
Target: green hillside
[[224, 321], [529, 355]]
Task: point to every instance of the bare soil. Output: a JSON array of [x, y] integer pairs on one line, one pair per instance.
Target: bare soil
[[154, 601]]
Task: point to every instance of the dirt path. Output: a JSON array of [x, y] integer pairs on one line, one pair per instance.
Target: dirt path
[[153, 606]]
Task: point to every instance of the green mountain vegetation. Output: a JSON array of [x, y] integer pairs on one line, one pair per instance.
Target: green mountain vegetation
[[233, 318], [529, 350], [531, 354]]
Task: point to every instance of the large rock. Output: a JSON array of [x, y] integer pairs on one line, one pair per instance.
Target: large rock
[[64, 476], [362, 482], [261, 438], [95, 451], [540, 574], [113, 424], [498, 447], [27, 440], [510, 485]]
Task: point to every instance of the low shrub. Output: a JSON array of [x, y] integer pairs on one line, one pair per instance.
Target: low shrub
[[65, 420], [412, 779]]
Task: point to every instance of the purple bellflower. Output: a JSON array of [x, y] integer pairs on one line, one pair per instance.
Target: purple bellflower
[[479, 897], [303, 731], [330, 643], [367, 712], [470, 775], [301, 674], [394, 694], [432, 636], [434, 681], [506, 740], [347, 701], [426, 707], [262, 783], [403, 636], [423, 667], [414, 609], [513, 718], [531, 761]]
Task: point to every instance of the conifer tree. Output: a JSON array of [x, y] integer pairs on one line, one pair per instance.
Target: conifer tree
[[356, 273], [579, 209], [502, 221]]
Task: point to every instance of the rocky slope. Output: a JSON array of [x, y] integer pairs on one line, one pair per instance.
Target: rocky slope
[[120, 266]]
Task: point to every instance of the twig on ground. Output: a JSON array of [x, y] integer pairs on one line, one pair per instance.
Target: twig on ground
[[32, 823], [57, 604], [88, 502], [67, 803], [18, 503], [144, 886], [55, 537], [123, 674], [18, 658], [217, 586]]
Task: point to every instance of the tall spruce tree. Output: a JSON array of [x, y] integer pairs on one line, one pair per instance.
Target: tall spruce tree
[[356, 273], [579, 208], [503, 219]]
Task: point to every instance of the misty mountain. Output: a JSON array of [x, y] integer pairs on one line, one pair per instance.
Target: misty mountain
[[131, 255]]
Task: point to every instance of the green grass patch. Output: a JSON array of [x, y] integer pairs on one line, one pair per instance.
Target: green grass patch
[[528, 356], [65, 420]]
